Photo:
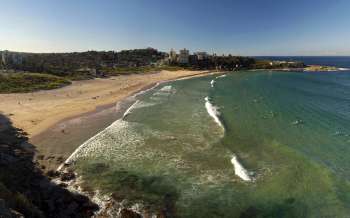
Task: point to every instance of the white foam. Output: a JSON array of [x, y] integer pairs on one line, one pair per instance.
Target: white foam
[[146, 90], [117, 142], [128, 111], [86, 144], [343, 69], [240, 171], [221, 76], [213, 112], [166, 89], [212, 83], [72, 157]]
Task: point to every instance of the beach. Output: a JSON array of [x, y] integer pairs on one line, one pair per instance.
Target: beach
[[41, 114]]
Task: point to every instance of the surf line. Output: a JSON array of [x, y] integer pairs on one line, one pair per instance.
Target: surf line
[[221, 76], [213, 112], [146, 90], [240, 171], [70, 159], [128, 111]]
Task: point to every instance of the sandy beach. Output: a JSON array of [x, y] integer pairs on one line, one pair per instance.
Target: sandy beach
[[37, 111], [41, 114]]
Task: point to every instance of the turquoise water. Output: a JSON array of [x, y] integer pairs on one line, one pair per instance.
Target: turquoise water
[[250, 144]]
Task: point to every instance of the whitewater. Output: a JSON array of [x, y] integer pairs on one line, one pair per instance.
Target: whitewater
[[213, 111]]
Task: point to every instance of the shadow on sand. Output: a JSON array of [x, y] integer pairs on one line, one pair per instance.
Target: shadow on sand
[[24, 189]]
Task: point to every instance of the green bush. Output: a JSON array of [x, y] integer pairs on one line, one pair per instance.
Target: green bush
[[27, 82]]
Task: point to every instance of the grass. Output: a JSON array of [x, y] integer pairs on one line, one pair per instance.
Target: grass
[[320, 68], [28, 82]]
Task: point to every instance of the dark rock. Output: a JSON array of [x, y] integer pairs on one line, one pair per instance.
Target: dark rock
[[250, 212], [81, 199], [63, 185], [24, 180], [7, 159], [5, 212], [60, 159], [50, 157], [16, 214], [126, 213], [90, 206], [72, 207], [52, 173], [67, 176], [40, 157]]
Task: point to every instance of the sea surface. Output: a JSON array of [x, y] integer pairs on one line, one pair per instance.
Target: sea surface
[[242, 144]]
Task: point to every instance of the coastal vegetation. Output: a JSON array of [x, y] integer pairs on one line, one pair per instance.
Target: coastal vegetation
[[267, 64], [66, 64], [115, 71], [27, 82], [319, 68]]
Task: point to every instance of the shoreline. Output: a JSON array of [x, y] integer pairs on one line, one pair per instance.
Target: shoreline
[[57, 141], [35, 112], [106, 202], [125, 112]]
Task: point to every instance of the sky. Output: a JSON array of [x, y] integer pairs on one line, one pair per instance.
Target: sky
[[238, 27]]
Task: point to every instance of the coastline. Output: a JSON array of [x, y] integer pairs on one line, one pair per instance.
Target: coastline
[[108, 204], [308, 68], [37, 111], [77, 113]]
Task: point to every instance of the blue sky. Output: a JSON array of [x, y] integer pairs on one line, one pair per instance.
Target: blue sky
[[240, 27]]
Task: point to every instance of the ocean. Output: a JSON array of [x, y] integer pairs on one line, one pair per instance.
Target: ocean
[[241, 144]]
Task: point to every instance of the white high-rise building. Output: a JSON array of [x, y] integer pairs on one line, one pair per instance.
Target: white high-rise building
[[172, 56]]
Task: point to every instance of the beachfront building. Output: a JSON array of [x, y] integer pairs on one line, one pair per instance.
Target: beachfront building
[[184, 56], [201, 55], [172, 56], [3, 57]]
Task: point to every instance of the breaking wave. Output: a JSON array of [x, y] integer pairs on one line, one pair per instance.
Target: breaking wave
[[128, 111], [146, 90], [212, 83], [221, 76], [213, 111], [240, 171]]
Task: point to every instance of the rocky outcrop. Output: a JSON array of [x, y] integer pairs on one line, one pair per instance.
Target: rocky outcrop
[[24, 190]]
